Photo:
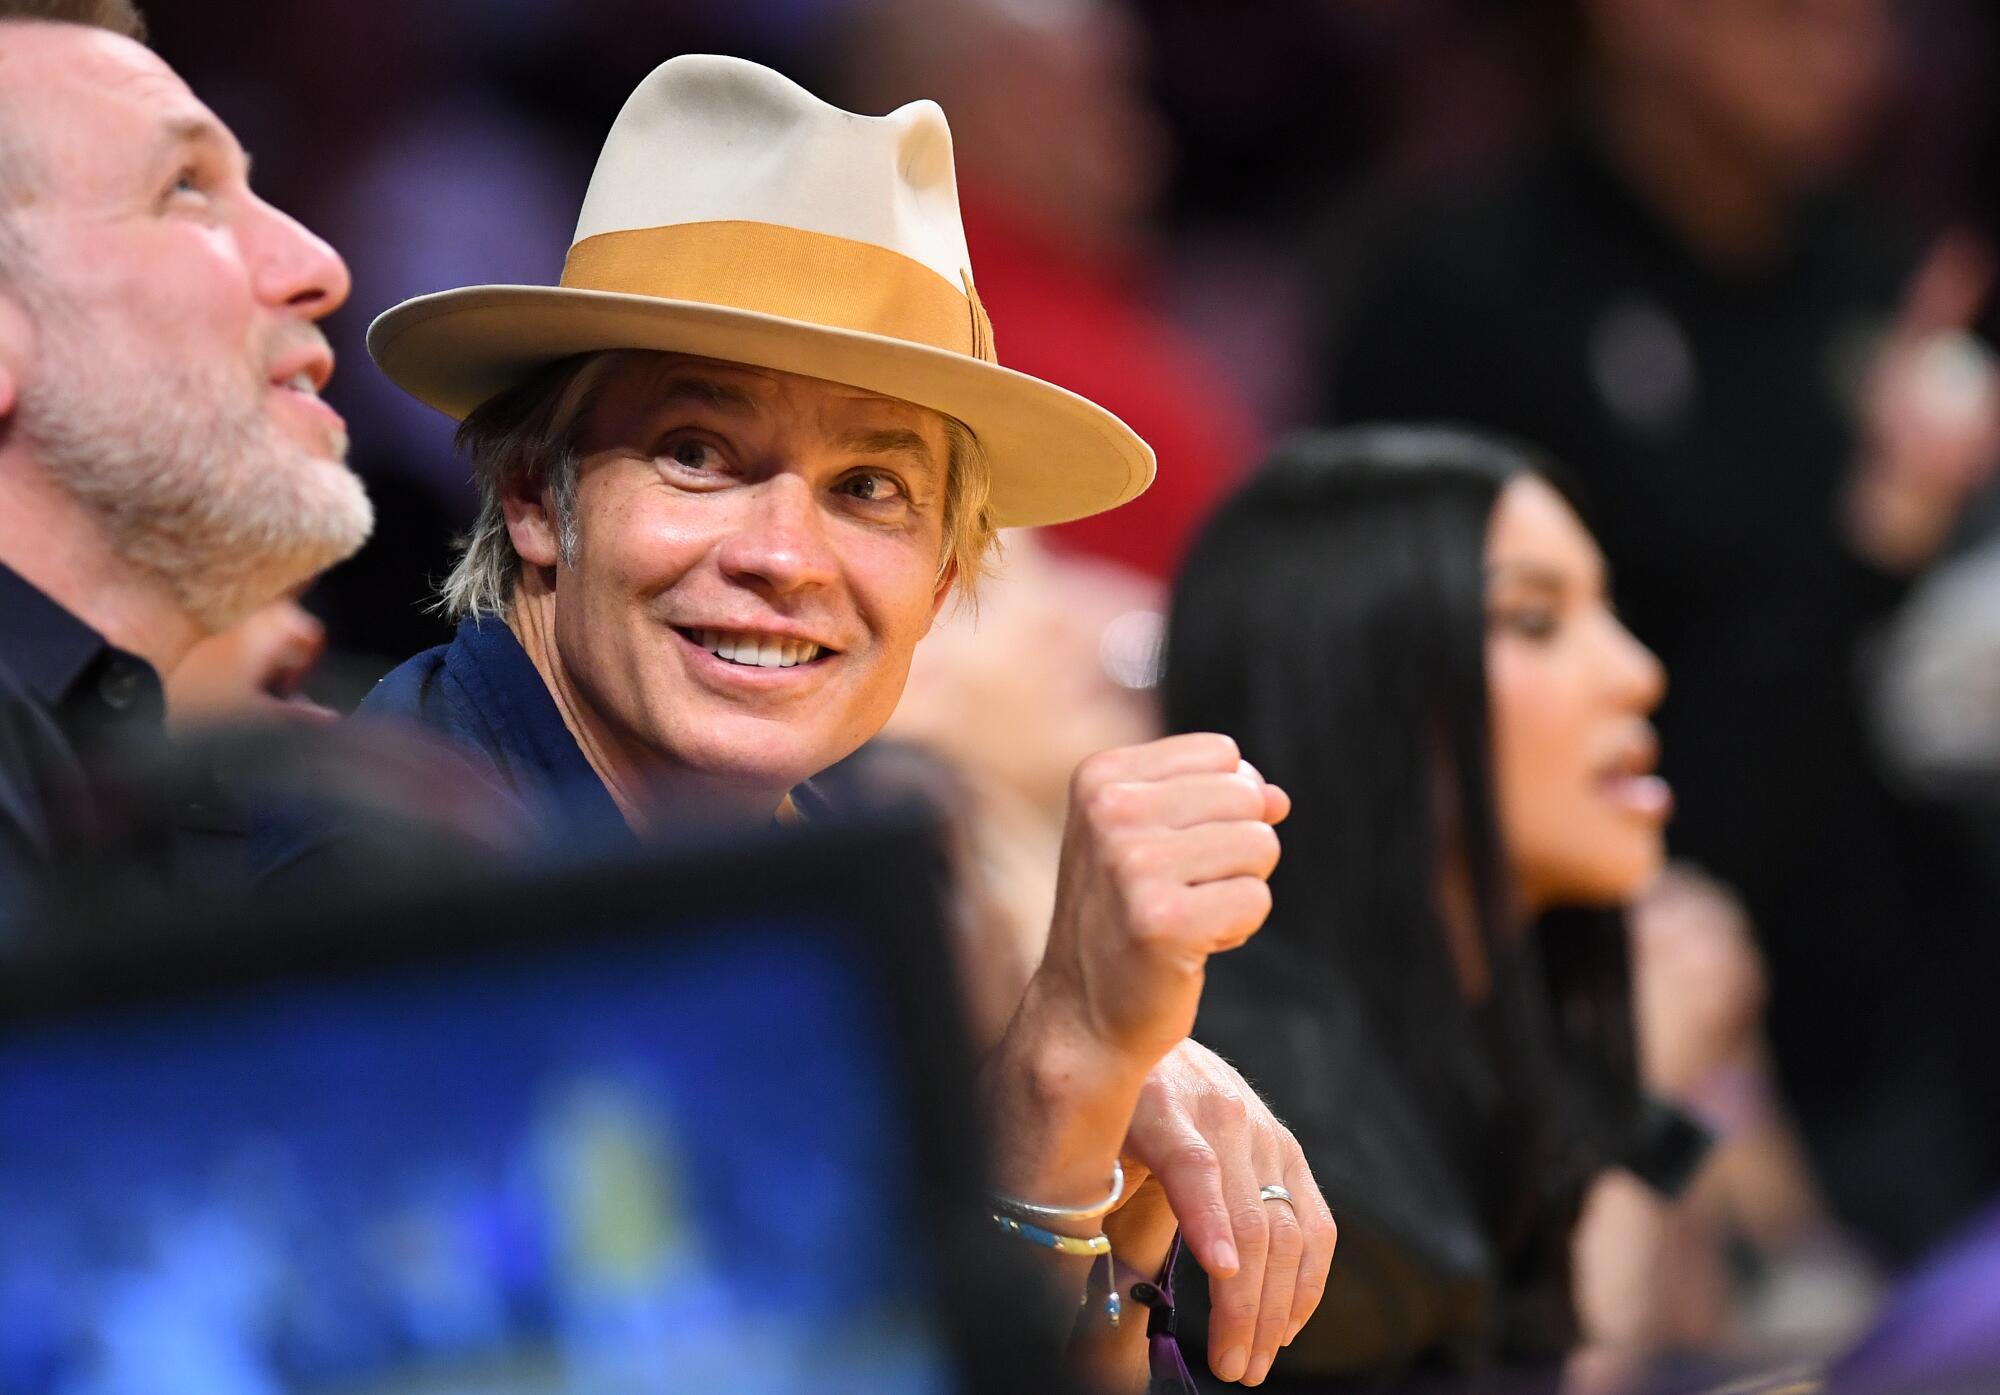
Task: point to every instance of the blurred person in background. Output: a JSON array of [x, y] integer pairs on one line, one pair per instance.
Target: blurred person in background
[[730, 469], [1062, 160], [1414, 627], [1776, 416], [166, 465]]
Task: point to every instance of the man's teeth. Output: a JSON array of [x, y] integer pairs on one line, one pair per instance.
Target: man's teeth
[[761, 651]]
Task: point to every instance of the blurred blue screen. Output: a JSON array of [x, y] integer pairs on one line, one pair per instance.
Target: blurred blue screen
[[646, 1164]]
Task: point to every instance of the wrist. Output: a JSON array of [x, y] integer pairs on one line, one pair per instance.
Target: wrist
[[1061, 1105], [1073, 1069]]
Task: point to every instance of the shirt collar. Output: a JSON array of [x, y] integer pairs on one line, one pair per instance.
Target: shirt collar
[[524, 725], [54, 654], [46, 646]]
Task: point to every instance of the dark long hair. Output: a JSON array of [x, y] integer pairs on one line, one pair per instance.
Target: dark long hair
[[1332, 618]]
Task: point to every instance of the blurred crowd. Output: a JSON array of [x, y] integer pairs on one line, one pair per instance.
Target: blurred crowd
[[1705, 291]]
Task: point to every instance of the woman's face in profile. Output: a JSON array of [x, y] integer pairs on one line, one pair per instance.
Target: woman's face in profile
[[1581, 811]]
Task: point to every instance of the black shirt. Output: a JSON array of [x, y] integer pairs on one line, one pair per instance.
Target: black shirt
[[71, 706], [1707, 417]]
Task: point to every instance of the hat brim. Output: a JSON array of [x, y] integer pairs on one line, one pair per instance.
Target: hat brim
[[1055, 456]]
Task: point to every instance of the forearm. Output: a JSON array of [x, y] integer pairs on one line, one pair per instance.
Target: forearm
[[1061, 1108], [1649, 1272]]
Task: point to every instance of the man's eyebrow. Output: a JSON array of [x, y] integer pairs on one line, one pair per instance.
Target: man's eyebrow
[[895, 440], [203, 131], [708, 392]]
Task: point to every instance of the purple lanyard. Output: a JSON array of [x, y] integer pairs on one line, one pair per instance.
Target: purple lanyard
[[1170, 1375]]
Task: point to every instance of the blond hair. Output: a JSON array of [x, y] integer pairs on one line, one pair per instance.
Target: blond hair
[[530, 436]]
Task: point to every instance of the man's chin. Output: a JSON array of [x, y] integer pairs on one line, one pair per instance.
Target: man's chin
[[761, 770], [322, 533]]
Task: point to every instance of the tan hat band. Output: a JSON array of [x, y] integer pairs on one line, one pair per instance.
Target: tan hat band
[[789, 272]]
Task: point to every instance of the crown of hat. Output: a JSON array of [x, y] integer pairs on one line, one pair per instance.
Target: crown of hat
[[710, 139], [727, 184]]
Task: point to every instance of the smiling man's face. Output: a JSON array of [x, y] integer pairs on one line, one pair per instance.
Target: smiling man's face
[[755, 557]]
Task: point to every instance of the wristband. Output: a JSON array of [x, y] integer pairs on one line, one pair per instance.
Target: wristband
[[1032, 1211]]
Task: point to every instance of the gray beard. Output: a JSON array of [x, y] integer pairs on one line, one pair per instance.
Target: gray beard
[[187, 474]]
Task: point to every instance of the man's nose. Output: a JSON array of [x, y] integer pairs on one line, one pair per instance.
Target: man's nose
[[781, 545], [294, 268]]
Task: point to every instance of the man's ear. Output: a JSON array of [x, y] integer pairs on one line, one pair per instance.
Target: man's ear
[[531, 524], [944, 588]]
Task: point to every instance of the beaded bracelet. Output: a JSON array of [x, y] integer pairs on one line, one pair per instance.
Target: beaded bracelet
[[1095, 1247]]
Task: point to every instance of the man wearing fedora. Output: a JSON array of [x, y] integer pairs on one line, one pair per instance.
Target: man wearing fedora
[[730, 469]]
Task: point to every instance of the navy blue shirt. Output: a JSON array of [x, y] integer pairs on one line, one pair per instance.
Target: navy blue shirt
[[484, 693]]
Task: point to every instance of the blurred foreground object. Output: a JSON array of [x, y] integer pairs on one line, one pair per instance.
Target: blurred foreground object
[[398, 1134]]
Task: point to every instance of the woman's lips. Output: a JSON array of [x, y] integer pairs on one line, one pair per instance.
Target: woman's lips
[[1648, 796]]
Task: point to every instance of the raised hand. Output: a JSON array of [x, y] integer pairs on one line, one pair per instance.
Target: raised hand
[[1164, 861]]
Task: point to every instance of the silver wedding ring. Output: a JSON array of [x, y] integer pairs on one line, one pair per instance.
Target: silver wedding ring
[[1274, 1192]]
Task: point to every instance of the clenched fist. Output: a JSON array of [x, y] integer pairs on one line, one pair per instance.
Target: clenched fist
[[1165, 861]]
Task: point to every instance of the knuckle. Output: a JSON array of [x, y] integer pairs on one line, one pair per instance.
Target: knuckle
[[1230, 1107], [1157, 916], [1252, 1226], [1106, 803], [1240, 1312], [1221, 749], [1090, 776], [1236, 801], [1195, 1158], [1135, 860], [1288, 1239]]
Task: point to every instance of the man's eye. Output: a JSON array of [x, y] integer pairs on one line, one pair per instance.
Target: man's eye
[[872, 488], [186, 184], [694, 454]]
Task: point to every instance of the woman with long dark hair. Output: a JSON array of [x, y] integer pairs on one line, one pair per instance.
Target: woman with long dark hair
[[1410, 630]]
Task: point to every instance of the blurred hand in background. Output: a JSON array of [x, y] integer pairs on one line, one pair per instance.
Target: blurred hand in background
[[252, 673], [1931, 413]]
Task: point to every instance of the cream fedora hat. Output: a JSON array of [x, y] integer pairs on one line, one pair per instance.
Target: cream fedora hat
[[733, 215]]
